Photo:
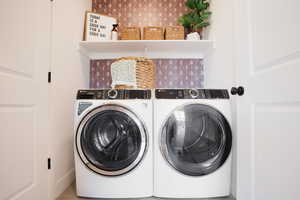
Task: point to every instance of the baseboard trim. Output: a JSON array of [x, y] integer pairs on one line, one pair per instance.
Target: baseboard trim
[[64, 182]]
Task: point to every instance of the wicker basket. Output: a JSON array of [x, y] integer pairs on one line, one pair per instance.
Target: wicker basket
[[145, 73], [131, 33], [153, 33], [174, 33]]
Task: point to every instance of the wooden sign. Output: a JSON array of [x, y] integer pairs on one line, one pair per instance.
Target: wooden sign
[[98, 26]]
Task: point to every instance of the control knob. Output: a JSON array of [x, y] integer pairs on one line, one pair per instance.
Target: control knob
[[194, 93], [112, 93]]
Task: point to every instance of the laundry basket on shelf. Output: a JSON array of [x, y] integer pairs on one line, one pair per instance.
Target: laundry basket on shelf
[[133, 72]]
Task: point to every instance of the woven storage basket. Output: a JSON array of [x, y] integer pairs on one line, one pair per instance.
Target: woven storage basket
[[153, 33], [145, 73], [131, 33], [174, 33]]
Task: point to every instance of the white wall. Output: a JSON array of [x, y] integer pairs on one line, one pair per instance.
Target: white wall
[[220, 70], [220, 65], [69, 73]]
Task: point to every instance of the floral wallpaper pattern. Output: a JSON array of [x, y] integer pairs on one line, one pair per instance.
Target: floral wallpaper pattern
[[170, 73], [142, 12]]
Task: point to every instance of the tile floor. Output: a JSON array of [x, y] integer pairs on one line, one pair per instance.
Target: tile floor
[[70, 194]]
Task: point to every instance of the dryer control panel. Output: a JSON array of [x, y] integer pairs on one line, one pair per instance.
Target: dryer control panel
[[116, 94], [191, 94]]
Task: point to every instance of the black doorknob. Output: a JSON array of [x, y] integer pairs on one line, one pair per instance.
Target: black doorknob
[[240, 91]]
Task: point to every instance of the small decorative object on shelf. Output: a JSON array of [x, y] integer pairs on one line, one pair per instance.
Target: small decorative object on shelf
[[153, 33], [98, 26], [131, 33], [114, 32], [174, 33], [193, 36], [133, 72], [198, 18]]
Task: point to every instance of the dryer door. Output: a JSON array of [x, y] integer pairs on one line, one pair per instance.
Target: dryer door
[[111, 140], [196, 139]]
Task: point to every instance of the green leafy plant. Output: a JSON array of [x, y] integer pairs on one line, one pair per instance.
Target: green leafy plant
[[198, 16]]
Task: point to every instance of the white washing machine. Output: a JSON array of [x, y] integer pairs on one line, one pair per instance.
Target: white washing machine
[[113, 143], [192, 143]]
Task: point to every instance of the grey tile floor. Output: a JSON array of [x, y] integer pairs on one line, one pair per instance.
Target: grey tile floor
[[70, 194]]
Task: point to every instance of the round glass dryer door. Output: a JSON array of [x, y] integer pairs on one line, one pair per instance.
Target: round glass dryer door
[[196, 139], [111, 140]]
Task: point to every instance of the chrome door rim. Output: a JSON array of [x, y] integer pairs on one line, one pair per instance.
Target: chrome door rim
[[134, 117], [163, 144]]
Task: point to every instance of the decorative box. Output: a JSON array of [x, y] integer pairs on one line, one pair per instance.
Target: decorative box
[[153, 33], [174, 33], [131, 33]]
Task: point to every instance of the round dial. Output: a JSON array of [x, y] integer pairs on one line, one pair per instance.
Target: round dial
[[112, 93], [194, 93]]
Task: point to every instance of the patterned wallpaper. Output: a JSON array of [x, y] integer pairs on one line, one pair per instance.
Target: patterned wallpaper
[[142, 12], [171, 73]]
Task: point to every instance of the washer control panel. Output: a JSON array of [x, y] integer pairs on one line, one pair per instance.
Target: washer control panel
[[114, 94], [191, 94]]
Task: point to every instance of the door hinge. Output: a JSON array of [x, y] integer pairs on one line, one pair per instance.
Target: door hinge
[[49, 163], [49, 77]]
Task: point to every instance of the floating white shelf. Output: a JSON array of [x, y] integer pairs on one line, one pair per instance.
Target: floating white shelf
[[146, 48]]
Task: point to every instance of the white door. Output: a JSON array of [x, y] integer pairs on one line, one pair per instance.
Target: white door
[[24, 61], [268, 132]]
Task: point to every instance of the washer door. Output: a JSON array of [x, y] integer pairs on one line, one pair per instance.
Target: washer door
[[196, 139], [111, 140]]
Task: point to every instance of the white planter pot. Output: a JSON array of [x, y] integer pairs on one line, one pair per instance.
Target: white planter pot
[[193, 36]]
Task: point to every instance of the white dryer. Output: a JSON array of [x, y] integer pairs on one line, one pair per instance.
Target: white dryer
[[192, 143], [113, 143]]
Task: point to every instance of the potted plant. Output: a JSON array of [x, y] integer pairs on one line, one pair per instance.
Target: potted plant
[[196, 19]]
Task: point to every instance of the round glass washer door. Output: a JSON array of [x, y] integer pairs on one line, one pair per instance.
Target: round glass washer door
[[196, 139], [111, 140]]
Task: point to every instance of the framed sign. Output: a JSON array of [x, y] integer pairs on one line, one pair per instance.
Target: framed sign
[[98, 26]]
